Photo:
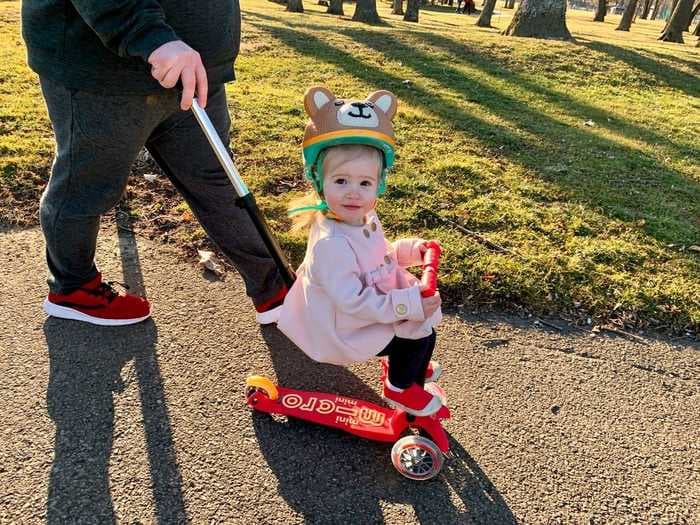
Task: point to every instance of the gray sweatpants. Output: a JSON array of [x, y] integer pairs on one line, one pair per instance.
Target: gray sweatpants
[[98, 138]]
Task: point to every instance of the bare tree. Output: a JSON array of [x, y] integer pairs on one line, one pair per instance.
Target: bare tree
[[627, 16], [693, 14], [335, 7], [674, 3], [540, 19], [366, 11], [673, 32], [510, 4], [412, 9], [655, 11], [485, 16], [646, 7], [295, 6], [601, 11], [697, 30], [397, 7]]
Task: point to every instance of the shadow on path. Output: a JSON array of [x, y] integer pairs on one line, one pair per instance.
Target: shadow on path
[[86, 364], [332, 477]]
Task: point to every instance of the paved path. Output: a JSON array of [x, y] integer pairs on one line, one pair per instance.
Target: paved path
[[147, 424]]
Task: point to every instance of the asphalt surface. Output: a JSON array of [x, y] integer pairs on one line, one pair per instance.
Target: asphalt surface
[[147, 423]]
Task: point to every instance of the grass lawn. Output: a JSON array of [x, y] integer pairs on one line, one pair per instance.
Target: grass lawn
[[579, 159]]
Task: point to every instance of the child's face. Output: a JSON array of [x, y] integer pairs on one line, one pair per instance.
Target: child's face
[[350, 186]]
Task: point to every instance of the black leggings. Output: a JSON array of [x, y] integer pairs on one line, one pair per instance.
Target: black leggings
[[408, 359]]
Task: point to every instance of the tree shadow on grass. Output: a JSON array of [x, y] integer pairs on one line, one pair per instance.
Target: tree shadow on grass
[[688, 84], [332, 477], [624, 194], [471, 56], [671, 58]]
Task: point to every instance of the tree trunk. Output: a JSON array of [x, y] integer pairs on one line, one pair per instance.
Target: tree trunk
[[627, 16], [397, 7], [540, 19], [510, 4], [673, 8], [697, 30], [485, 16], [655, 11], [335, 7], [645, 9], [677, 22], [601, 11], [412, 9], [295, 6], [692, 15], [366, 11]]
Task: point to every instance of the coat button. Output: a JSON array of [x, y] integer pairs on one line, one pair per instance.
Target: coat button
[[374, 227], [387, 259], [401, 309], [366, 232]]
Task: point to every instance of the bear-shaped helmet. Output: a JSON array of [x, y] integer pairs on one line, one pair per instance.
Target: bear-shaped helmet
[[336, 121]]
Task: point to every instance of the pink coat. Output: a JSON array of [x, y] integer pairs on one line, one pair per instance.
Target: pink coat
[[353, 293]]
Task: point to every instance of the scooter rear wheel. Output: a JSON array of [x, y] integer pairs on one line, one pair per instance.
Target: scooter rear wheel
[[417, 458], [263, 384]]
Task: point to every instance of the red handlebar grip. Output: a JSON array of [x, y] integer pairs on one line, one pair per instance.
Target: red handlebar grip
[[431, 263]]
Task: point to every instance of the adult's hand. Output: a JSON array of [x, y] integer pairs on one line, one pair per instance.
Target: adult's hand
[[175, 61]]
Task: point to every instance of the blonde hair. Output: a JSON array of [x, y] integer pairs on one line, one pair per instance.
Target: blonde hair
[[335, 156]]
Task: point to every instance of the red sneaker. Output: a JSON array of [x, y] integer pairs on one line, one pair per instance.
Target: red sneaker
[[432, 373], [99, 303], [413, 400], [269, 311]]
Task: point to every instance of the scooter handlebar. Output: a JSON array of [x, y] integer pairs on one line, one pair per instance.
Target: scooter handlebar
[[431, 263]]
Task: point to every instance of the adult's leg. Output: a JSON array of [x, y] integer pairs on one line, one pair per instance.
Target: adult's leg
[[97, 139], [180, 148]]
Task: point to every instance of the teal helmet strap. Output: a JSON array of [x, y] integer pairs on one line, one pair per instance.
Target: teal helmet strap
[[319, 206]]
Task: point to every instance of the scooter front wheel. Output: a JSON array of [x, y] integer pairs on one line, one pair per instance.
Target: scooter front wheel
[[263, 384], [417, 458]]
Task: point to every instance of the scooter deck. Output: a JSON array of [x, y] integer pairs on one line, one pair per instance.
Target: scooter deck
[[355, 416]]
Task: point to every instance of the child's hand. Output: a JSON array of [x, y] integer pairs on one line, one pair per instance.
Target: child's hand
[[423, 247], [430, 304]]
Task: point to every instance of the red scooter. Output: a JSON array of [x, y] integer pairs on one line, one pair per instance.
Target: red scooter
[[420, 443]]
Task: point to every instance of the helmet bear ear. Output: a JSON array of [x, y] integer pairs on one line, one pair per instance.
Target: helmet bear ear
[[384, 100], [315, 98]]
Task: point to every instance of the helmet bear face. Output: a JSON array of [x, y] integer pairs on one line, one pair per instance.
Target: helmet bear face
[[357, 114], [335, 121]]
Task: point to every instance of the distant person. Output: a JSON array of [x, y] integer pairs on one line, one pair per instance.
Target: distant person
[[107, 73], [469, 6], [353, 298]]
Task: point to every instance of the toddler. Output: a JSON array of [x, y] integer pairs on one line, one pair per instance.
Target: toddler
[[353, 298]]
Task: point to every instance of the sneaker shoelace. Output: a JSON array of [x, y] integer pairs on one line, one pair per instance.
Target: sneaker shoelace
[[106, 290]]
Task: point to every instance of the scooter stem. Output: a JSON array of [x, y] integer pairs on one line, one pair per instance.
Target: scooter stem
[[245, 198]]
